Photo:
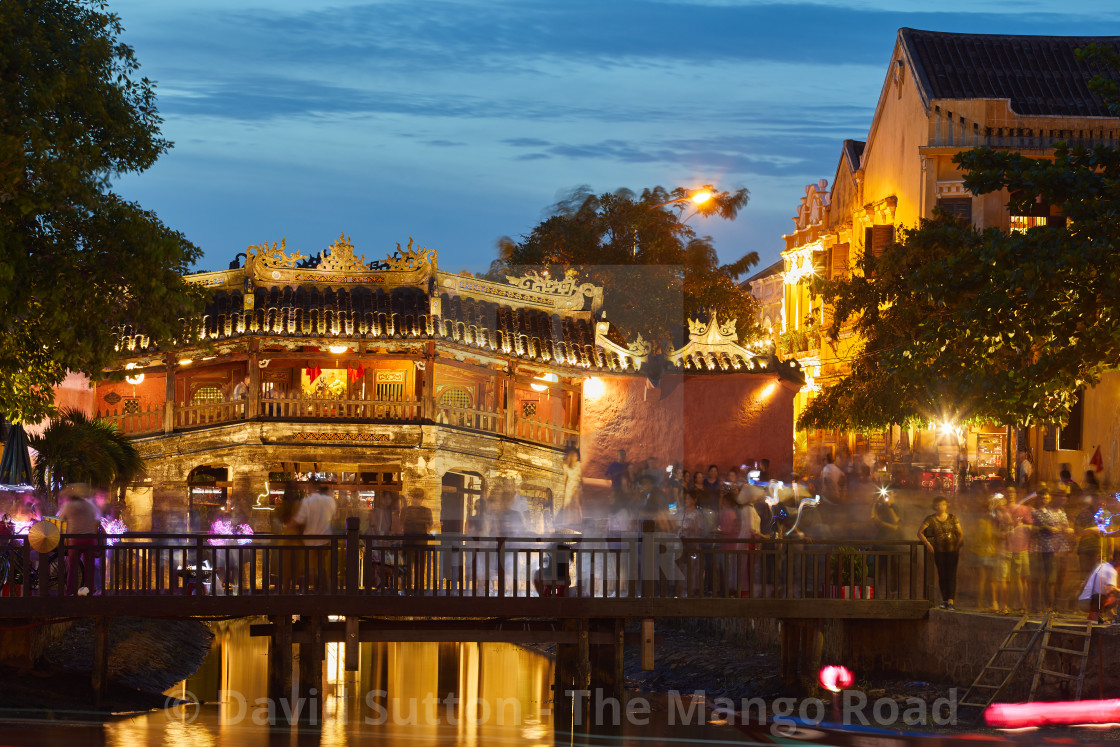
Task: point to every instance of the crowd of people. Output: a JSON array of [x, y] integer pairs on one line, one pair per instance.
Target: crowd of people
[[1020, 549]]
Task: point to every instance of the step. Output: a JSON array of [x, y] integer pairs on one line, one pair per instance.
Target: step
[[986, 687], [1062, 675], [973, 705], [1064, 650]]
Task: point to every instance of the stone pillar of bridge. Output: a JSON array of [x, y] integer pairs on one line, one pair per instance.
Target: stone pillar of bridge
[[280, 665], [249, 481], [431, 482], [312, 652], [571, 679], [802, 648], [607, 705]]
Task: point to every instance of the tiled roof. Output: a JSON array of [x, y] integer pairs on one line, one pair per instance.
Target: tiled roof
[[853, 151], [773, 269], [1039, 74], [401, 313]]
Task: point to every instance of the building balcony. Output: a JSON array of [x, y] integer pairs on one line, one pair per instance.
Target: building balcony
[[525, 424]]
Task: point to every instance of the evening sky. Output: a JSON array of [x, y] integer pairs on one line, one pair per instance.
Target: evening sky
[[455, 123]]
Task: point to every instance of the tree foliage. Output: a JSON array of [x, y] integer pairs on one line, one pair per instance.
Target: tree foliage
[[961, 325], [76, 260], [76, 448], [655, 270]]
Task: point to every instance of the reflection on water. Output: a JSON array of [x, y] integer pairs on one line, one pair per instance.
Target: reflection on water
[[460, 693], [468, 694]]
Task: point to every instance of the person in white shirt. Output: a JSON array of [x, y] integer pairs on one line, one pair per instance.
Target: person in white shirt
[[313, 517], [1100, 592], [832, 480]]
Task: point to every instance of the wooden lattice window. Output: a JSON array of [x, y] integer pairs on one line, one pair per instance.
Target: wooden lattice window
[[206, 395], [455, 397]]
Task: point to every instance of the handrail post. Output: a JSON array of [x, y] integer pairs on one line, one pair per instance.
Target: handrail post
[[787, 555], [501, 567], [25, 561], [353, 554], [913, 570], [649, 566], [199, 549], [928, 561]]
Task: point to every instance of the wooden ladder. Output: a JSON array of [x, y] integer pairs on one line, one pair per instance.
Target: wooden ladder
[[998, 672], [1081, 655]]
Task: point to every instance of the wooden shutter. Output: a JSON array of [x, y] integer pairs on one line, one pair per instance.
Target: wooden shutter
[[961, 207], [839, 264], [881, 238]]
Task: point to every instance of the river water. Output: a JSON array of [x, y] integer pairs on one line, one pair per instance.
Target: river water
[[468, 694]]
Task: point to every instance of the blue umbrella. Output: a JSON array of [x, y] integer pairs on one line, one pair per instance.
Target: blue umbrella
[[15, 464]]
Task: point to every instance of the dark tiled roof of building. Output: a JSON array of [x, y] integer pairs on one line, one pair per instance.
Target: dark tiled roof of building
[[773, 269], [402, 313], [1039, 74], [853, 151]]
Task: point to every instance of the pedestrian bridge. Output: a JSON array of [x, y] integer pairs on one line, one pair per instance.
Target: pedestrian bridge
[[643, 575]]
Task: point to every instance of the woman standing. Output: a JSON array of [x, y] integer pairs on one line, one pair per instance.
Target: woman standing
[[571, 508], [942, 535], [1052, 531]]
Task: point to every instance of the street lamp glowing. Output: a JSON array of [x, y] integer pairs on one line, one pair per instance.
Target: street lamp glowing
[[338, 349], [593, 388], [700, 197]]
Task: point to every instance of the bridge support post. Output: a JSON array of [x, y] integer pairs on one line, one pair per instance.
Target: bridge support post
[[608, 695], [571, 679], [280, 663], [802, 648], [100, 659], [311, 655]]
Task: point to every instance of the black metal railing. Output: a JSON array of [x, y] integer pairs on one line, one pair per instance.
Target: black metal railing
[[646, 565]]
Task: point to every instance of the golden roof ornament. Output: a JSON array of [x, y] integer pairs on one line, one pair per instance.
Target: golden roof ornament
[[410, 260], [708, 340], [271, 257], [566, 286], [339, 257]]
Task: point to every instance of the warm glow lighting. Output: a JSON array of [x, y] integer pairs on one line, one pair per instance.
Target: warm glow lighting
[[1062, 713], [134, 380], [338, 349], [947, 428], [594, 388], [185, 362], [769, 389], [699, 198], [544, 377], [835, 679]]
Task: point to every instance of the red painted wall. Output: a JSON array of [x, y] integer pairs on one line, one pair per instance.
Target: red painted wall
[[725, 419]]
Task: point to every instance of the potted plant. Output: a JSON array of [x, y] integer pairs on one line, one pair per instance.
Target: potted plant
[[848, 571]]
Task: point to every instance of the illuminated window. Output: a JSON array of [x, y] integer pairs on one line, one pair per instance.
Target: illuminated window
[[1020, 223], [455, 397], [205, 394]]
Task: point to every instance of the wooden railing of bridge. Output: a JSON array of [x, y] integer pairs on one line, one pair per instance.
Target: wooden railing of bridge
[[645, 574]]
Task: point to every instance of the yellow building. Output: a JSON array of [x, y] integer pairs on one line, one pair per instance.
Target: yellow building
[[944, 93]]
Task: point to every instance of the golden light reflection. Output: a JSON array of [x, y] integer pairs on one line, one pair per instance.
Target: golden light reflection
[[456, 693]]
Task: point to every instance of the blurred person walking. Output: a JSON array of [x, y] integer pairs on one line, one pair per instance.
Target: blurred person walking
[[83, 520]]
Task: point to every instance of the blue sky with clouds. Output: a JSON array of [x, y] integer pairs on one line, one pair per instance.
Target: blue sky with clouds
[[456, 122]]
